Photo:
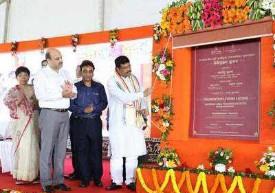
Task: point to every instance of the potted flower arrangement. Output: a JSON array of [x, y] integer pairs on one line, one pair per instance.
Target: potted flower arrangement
[[267, 163], [220, 158], [168, 158]]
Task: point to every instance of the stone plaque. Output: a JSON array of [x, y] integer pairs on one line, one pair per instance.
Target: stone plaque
[[225, 96]]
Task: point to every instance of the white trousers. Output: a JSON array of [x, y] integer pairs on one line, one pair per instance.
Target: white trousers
[[116, 167]]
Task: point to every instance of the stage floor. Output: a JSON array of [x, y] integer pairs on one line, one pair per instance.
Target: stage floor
[[6, 181]]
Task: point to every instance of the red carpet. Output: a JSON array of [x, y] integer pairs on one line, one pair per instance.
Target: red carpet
[[6, 181]]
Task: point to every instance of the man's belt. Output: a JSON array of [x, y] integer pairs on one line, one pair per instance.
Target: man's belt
[[79, 117], [58, 110]]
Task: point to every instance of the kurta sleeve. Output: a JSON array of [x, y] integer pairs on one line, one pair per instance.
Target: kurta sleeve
[[124, 97]]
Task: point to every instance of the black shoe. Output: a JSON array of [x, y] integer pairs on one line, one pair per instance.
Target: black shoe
[[62, 187], [73, 176], [113, 186], [84, 184], [98, 183], [48, 189], [131, 186]]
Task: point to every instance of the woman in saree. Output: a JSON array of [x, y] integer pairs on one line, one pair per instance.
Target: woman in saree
[[24, 124]]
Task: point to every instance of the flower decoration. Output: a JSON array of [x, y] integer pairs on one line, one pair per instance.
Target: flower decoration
[[157, 32], [273, 10], [194, 13], [164, 23], [75, 41], [178, 19], [14, 46], [235, 11], [162, 112], [181, 16], [267, 163], [231, 171], [200, 167], [178, 3], [168, 158], [113, 37], [220, 158], [257, 12], [43, 44], [163, 66], [269, 7], [212, 13]]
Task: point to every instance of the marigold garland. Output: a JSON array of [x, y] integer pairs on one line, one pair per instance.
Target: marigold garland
[[141, 180], [256, 185], [235, 11], [155, 180], [174, 183], [178, 20], [240, 183], [183, 16], [219, 180], [201, 181], [182, 179], [164, 23]]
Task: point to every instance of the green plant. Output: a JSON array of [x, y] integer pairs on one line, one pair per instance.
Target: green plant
[[220, 156]]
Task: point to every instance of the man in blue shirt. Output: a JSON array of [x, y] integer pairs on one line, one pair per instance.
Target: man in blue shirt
[[86, 110]]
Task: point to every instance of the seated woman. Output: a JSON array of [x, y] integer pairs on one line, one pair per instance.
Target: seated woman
[[24, 124]]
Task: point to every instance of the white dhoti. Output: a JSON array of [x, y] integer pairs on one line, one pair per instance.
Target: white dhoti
[[126, 137], [116, 166]]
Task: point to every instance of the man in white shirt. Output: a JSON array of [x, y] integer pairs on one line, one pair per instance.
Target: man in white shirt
[[126, 108], [53, 89]]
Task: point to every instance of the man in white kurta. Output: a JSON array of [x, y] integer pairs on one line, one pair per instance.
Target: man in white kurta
[[125, 123]]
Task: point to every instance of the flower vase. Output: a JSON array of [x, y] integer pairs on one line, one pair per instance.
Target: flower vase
[[220, 167]]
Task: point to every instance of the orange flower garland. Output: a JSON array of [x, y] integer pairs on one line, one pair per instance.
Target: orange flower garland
[[201, 182], [178, 19], [235, 11]]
